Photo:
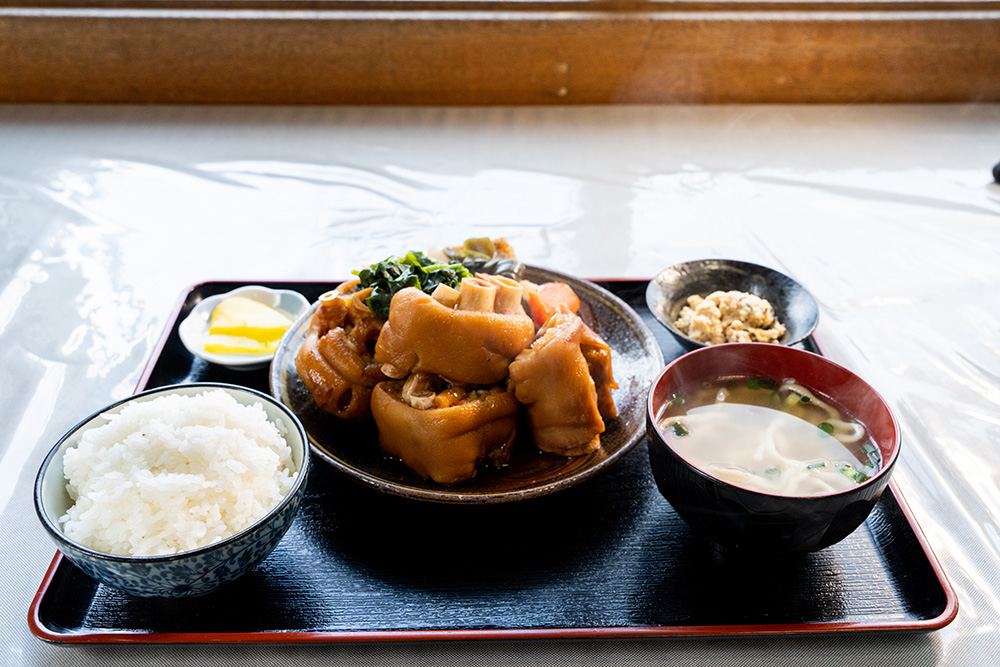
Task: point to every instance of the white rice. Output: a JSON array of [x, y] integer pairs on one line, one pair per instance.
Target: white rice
[[173, 474]]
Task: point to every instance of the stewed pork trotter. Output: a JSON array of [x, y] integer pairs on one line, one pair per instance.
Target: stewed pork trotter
[[565, 380], [335, 361], [444, 432], [468, 342]]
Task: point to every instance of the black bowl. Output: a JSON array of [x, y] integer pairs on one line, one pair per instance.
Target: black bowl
[[737, 518], [793, 305]]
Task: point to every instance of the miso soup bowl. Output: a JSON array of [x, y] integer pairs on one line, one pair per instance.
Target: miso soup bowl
[[188, 573], [737, 518]]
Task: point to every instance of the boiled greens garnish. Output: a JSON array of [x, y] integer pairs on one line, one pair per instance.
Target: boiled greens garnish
[[415, 269], [826, 427]]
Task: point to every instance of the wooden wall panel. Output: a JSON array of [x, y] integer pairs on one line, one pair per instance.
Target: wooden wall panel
[[721, 52]]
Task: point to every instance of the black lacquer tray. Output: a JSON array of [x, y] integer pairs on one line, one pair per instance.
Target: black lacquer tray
[[608, 558]]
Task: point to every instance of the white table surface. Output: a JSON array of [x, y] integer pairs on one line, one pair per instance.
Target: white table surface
[[888, 214]]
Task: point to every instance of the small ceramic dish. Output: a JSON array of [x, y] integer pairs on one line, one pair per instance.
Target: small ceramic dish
[[194, 329], [752, 521], [191, 572], [793, 305]]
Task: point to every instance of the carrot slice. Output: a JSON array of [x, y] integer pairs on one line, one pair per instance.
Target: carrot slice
[[543, 301]]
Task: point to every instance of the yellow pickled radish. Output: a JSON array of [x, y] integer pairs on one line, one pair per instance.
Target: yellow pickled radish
[[243, 326], [223, 344]]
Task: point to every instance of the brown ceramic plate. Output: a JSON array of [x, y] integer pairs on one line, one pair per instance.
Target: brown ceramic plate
[[354, 450]]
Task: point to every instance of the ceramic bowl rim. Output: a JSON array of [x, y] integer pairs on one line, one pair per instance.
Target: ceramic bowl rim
[[654, 297], [884, 471], [61, 538]]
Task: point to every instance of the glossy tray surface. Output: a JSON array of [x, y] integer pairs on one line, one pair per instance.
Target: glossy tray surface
[[606, 558]]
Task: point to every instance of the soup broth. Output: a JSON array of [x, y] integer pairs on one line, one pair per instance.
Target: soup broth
[[769, 436]]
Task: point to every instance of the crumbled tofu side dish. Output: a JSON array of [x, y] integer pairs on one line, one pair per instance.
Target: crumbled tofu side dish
[[729, 317]]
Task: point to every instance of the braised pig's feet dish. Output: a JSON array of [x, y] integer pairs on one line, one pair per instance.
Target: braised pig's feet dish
[[446, 361]]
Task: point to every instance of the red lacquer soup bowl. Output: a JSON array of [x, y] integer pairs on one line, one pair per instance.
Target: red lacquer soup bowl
[[739, 518]]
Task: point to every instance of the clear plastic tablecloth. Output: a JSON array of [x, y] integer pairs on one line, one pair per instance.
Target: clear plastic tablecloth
[[888, 214]]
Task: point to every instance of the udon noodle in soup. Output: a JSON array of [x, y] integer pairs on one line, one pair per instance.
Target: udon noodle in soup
[[775, 437]]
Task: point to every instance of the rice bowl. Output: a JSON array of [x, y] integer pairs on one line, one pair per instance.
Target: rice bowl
[[178, 502], [174, 474]]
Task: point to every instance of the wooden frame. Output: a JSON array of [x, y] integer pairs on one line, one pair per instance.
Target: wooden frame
[[464, 52]]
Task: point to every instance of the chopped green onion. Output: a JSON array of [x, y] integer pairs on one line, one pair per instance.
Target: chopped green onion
[[679, 429], [772, 473], [874, 455], [804, 399], [814, 466], [676, 399], [855, 475], [760, 383], [826, 427]]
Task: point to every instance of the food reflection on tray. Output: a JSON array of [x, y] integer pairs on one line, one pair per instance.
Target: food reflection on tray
[[486, 386]]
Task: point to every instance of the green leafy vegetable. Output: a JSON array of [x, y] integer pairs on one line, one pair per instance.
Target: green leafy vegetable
[[826, 427], [679, 429], [415, 269], [498, 266]]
